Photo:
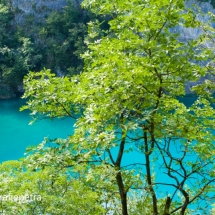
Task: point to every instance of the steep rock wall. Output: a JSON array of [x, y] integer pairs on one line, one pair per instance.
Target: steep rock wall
[[189, 33], [37, 8]]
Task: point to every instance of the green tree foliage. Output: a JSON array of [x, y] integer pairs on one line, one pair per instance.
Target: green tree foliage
[[51, 191], [62, 39], [16, 62], [213, 211], [128, 101], [5, 18], [18, 54]]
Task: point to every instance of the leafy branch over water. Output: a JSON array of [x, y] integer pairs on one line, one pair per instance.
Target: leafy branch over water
[[136, 146]]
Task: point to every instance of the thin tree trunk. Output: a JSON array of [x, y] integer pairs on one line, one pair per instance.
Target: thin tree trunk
[[148, 175], [119, 179], [167, 206], [123, 194]]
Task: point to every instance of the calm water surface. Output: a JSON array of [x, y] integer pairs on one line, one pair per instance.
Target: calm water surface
[[16, 133]]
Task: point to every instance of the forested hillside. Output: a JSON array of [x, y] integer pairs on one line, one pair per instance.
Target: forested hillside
[[38, 35]]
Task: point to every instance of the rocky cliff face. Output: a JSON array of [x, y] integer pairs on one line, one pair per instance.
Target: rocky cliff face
[[35, 6], [41, 6], [189, 33], [204, 7], [38, 8]]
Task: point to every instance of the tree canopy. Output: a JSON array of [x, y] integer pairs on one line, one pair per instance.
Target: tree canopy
[[136, 144]]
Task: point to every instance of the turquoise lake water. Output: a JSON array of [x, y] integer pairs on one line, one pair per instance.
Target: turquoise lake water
[[16, 134]]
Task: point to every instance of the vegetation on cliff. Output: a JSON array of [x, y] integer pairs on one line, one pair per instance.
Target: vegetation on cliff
[[30, 44]]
